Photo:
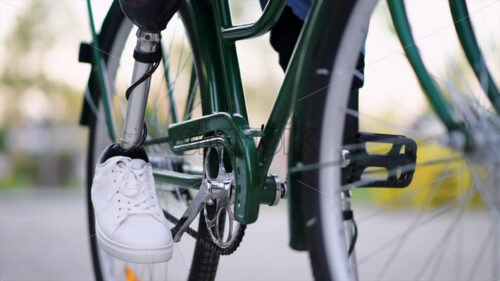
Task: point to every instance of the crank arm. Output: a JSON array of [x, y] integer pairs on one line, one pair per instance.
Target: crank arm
[[191, 212]]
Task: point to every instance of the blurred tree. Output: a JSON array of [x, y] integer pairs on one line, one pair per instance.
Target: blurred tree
[[22, 73], [33, 97]]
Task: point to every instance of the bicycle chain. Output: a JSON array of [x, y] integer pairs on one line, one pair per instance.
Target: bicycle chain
[[208, 243]]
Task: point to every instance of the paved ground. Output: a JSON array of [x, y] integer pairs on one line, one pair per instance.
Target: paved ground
[[43, 236]]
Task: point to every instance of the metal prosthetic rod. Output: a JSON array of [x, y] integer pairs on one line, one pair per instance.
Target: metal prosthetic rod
[[147, 54]]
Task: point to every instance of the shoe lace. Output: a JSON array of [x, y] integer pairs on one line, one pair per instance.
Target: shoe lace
[[138, 192]]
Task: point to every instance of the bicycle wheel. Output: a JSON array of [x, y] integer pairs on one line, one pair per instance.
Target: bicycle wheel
[[191, 260], [445, 226]]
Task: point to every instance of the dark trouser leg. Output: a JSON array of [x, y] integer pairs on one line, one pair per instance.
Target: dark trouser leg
[[284, 35]]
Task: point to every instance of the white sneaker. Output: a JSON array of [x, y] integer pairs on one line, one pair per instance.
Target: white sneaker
[[130, 224]]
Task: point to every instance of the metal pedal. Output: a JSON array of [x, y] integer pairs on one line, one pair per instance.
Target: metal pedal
[[399, 162]]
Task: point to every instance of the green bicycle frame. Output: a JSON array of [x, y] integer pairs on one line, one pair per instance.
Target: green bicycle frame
[[211, 23], [213, 38], [220, 83]]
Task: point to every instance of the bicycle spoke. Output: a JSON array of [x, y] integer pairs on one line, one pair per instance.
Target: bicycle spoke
[[399, 128], [445, 238], [434, 215], [194, 108], [405, 196], [482, 250], [406, 233]]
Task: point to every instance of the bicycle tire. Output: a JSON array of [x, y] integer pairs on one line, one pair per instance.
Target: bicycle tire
[[314, 112], [115, 29], [326, 115]]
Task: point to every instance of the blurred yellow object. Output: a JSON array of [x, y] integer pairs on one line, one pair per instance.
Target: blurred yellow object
[[441, 176], [130, 274]]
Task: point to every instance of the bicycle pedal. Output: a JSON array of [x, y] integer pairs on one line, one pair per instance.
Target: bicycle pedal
[[85, 53], [393, 169]]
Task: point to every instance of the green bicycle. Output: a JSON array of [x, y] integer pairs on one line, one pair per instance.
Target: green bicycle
[[211, 168]]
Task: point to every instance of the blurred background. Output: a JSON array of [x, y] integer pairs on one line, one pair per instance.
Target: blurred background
[[43, 234], [42, 87], [40, 95]]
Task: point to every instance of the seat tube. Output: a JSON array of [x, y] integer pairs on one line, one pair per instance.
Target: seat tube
[[148, 44]]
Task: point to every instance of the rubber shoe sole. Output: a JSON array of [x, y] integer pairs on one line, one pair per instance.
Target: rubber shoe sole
[[132, 255]]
